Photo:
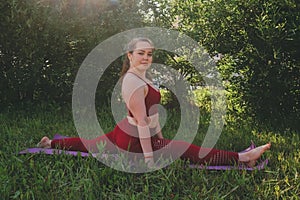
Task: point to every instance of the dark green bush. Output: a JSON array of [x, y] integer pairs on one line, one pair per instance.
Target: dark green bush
[[43, 43]]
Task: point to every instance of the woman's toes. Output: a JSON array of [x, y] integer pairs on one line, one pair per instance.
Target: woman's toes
[[251, 156]]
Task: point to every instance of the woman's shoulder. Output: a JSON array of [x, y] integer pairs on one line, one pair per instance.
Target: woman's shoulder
[[130, 84], [131, 79]]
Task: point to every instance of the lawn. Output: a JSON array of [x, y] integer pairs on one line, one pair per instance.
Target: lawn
[[38, 176]]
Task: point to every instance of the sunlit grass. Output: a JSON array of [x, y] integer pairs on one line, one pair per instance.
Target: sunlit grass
[[65, 177]]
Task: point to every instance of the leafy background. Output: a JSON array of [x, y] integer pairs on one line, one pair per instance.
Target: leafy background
[[44, 42]]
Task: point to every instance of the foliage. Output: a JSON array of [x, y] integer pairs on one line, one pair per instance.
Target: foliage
[[45, 42], [260, 41], [202, 98]]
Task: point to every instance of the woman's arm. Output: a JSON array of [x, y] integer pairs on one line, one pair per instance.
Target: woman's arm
[[158, 131], [137, 107]]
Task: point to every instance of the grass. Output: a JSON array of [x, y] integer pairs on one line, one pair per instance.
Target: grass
[[38, 176]]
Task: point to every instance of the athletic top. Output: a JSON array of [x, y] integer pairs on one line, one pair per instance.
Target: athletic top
[[152, 99]]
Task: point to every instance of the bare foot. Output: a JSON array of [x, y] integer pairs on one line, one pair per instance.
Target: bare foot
[[44, 143], [251, 156]]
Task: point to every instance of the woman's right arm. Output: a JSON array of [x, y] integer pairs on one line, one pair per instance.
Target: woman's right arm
[[137, 107]]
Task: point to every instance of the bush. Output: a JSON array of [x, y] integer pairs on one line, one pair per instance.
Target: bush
[[260, 43], [45, 42]]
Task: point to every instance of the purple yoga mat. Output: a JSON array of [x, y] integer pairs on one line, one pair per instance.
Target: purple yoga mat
[[261, 165]]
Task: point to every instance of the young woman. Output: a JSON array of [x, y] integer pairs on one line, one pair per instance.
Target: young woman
[[140, 131]]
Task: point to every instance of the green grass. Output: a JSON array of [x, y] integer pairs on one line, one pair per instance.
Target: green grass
[[41, 176]]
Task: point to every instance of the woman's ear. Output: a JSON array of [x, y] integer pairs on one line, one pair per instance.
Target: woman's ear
[[129, 55]]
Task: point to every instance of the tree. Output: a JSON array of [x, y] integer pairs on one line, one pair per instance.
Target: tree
[[260, 41], [45, 42]]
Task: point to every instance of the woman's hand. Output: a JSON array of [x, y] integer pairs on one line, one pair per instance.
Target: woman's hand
[[149, 162], [158, 131], [159, 135]]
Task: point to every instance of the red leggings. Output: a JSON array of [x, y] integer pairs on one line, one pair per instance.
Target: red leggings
[[132, 144]]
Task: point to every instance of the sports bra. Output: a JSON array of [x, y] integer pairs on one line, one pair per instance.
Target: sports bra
[[151, 100]]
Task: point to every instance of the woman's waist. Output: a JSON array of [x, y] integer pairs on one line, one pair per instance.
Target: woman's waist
[[129, 126], [152, 121]]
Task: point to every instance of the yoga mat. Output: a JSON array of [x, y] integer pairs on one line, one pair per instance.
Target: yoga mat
[[260, 165]]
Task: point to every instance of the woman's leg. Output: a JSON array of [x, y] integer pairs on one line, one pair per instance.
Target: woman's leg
[[80, 144], [211, 156], [74, 144]]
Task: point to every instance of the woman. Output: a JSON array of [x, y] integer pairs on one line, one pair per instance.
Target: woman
[[140, 131]]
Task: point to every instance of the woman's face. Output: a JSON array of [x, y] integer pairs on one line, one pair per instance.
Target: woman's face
[[141, 57]]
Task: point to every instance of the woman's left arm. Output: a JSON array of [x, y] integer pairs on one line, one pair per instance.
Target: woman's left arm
[[158, 131]]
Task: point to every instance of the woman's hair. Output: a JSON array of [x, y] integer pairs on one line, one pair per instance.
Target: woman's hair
[[131, 46]]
